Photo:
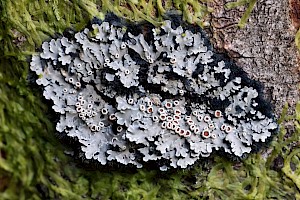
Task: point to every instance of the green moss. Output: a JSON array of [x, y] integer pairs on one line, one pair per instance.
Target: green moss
[[297, 39], [32, 162]]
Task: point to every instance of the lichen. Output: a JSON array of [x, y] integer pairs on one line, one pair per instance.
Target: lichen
[[120, 91], [32, 162]]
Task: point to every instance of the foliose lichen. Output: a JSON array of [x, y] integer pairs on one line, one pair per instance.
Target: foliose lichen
[[138, 93]]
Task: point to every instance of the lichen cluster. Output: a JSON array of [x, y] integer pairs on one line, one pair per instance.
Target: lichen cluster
[[134, 94]]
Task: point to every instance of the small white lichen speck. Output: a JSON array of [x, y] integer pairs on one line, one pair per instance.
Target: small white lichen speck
[[164, 95]]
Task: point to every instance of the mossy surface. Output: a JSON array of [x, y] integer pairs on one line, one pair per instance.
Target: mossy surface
[[33, 164]]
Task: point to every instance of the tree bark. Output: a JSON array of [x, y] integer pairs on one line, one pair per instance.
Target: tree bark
[[265, 47]]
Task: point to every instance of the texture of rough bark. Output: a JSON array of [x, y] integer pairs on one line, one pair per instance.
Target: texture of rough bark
[[264, 48], [295, 13]]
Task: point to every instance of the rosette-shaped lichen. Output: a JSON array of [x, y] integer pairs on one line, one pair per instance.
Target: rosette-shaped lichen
[[138, 93]]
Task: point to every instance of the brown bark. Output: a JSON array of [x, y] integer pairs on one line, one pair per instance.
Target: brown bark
[[264, 48]]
